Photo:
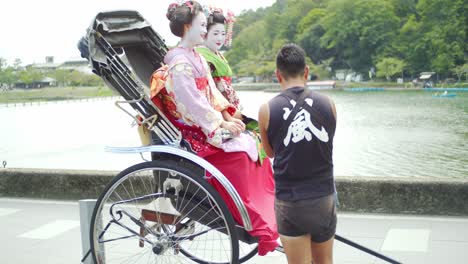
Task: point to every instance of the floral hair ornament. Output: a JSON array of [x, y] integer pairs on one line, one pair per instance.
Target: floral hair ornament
[[230, 19], [189, 5], [170, 9], [206, 10], [177, 4]]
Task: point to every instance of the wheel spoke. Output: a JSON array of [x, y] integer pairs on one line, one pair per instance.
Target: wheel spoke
[[189, 224]]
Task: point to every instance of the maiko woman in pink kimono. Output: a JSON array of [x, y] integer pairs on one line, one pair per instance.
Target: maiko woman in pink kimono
[[193, 104]]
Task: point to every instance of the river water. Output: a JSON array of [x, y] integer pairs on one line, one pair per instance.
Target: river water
[[381, 134]]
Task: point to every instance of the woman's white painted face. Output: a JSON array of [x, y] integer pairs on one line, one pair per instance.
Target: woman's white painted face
[[216, 37], [197, 32]]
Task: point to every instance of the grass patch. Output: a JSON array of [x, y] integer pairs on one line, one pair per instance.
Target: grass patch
[[342, 84], [453, 85], [53, 94], [369, 84]]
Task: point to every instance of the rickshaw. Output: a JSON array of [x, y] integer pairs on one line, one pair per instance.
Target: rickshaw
[[163, 210]]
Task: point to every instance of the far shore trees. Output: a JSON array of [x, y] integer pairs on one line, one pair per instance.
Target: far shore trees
[[461, 70], [388, 67], [30, 77], [356, 35]]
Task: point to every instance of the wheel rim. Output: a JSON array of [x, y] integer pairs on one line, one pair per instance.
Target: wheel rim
[[246, 252], [130, 197]]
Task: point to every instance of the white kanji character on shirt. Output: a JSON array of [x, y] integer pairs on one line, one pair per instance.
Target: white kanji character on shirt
[[297, 130]]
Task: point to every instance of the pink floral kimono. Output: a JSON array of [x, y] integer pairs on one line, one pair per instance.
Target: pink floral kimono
[[192, 102]]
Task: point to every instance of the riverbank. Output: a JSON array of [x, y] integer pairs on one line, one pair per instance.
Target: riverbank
[[78, 93], [274, 88], [395, 195], [349, 86], [53, 94]]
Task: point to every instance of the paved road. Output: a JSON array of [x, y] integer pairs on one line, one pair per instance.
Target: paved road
[[44, 231]]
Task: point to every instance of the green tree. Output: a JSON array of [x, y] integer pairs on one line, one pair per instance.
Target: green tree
[[461, 70], [76, 78], [17, 64], [248, 47], [408, 45], [322, 70], [388, 67], [3, 64], [404, 9], [258, 35], [310, 31], [61, 76], [8, 76], [247, 18], [30, 75], [435, 38], [359, 31], [287, 24], [429, 35]]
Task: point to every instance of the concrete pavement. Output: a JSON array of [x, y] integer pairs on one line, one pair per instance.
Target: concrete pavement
[[47, 231]]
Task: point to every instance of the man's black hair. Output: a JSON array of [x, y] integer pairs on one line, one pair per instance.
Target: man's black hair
[[290, 61]]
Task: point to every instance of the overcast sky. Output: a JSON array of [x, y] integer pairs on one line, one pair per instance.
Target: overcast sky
[[31, 30]]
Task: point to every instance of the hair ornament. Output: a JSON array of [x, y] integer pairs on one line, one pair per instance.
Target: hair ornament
[[172, 7], [230, 19], [170, 10], [189, 5], [206, 10]]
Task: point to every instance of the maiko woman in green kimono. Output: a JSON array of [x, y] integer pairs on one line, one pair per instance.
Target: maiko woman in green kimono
[[219, 33], [219, 29]]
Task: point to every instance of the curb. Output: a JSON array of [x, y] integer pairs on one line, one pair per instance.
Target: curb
[[395, 195]]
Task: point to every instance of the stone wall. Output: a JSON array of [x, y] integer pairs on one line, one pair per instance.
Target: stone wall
[[429, 196]]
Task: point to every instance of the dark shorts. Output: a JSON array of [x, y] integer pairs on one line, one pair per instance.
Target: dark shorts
[[316, 217]]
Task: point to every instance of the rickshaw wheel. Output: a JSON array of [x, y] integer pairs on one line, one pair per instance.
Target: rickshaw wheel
[[153, 210], [245, 253]]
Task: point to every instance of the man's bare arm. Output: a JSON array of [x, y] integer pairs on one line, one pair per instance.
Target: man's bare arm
[[333, 107], [263, 119]]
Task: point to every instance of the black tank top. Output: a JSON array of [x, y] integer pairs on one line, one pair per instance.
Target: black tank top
[[303, 164]]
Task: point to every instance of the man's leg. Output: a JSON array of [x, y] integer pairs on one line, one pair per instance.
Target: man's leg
[[322, 253], [297, 249]]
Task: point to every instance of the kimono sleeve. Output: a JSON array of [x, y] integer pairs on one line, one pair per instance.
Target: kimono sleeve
[[218, 100], [220, 103], [193, 105]]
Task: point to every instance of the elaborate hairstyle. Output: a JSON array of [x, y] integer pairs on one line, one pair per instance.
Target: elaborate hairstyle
[[216, 16], [180, 14], [290, 61]]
